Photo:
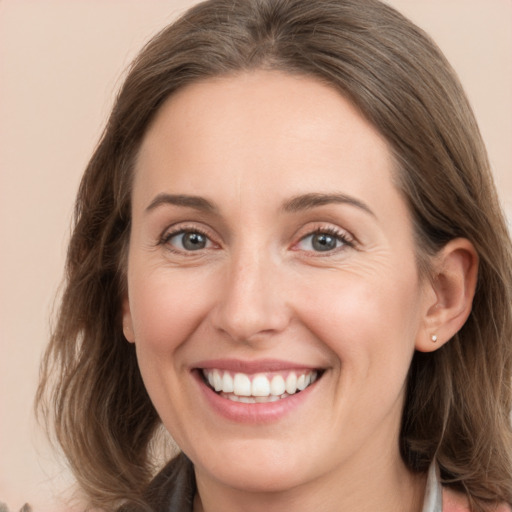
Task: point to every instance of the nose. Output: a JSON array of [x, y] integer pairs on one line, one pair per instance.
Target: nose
[[252, 301]]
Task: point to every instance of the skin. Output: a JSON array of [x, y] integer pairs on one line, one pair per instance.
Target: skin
[[259, 289]]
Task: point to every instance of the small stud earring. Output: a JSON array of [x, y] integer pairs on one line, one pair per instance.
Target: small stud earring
[[434, 338]]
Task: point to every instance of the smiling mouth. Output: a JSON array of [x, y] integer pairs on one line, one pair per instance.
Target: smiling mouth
[[259, 387]]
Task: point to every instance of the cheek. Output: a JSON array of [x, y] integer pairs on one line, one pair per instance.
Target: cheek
[[367, 320], [166, 307]]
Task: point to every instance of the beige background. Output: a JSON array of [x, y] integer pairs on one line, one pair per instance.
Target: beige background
[[60, 65]]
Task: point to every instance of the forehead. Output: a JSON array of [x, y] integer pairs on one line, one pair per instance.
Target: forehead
[[237, 133]]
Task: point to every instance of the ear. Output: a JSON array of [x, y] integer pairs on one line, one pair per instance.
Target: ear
[[127, 321], [453, 283]]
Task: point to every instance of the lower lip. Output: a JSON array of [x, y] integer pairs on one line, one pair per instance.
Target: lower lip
[[253, 413]]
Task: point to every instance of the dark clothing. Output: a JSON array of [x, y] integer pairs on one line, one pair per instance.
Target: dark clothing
[[172, 490]]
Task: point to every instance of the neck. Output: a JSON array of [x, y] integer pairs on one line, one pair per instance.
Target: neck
[[383, 486]]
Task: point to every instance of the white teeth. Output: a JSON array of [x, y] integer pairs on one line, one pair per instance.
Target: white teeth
[[217, 381], [227, 383], [277, 385], [301, 382], [242, 385], [253, 399], [291, 384], [260, 387]]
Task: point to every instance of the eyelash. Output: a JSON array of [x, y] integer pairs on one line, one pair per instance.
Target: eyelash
[[168, 235], [341, 236]]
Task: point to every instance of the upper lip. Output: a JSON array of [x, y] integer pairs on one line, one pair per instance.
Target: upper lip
[[252, 366]]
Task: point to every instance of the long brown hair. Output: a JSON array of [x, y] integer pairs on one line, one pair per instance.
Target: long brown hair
[[459, 397]]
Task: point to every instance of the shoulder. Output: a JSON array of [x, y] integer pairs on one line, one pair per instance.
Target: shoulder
[[457, 502], [454, 501]]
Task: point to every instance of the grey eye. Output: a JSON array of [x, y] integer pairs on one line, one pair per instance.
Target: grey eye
[[324, 242], [321, 242], [189, 241]]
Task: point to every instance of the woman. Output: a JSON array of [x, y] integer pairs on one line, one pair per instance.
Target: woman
[[288, 251]]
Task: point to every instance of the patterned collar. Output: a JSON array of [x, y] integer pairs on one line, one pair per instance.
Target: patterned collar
[[433, 493]]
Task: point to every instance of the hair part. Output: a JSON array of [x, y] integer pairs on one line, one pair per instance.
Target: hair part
[[458, 398]]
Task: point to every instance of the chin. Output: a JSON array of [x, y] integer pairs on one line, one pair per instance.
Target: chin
[[258, 478], [262, 467]]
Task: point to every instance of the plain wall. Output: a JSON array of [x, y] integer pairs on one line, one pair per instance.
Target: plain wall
[[60, 65]]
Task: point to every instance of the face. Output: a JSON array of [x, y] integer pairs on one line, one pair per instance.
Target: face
[[273, 294]]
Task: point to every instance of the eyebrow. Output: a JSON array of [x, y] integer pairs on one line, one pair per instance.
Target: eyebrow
[[195, 202], [313, 200], [295, 204]]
